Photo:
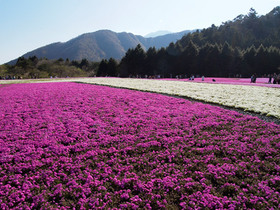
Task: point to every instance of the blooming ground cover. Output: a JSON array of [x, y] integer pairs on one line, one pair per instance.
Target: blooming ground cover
[[262, 100], [225, 91], [69, 145], [218, 80], [235, 81]]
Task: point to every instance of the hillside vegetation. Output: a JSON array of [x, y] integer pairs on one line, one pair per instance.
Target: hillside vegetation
[[33, 68], [244, 46]]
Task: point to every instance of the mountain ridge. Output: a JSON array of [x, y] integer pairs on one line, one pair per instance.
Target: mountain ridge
[[101, 44]]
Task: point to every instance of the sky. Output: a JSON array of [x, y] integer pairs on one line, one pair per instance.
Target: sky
[[26, 25]]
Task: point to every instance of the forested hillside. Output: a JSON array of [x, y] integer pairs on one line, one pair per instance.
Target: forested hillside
[[243, 32], [247, 45]]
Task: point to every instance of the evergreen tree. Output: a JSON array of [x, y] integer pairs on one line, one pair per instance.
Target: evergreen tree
[[174, 49], [112, 67], [250, 60], [227, 59], [189, 60], [273, 60], [103, 68], [209, 60], [150, 62], [261, 64], [133, 62], [163, 64], [84, 64]]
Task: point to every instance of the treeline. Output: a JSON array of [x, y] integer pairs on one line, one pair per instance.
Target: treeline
[[208, 60], [32, 68]]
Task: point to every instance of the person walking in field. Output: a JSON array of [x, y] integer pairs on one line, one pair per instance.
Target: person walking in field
[[269, 78], [274, 78], [253, 78]]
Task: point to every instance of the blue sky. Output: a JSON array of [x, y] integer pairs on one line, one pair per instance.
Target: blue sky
[[29, 24]]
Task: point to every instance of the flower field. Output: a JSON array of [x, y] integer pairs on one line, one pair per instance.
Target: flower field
[[237, 93], [257, 99], [69, 145], [263, 82]]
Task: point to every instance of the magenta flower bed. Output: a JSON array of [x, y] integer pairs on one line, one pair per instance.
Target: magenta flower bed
[[69, 145], [234, 81]]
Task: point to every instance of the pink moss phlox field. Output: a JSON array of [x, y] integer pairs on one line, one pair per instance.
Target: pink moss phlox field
[[233, 81], [69, 145]]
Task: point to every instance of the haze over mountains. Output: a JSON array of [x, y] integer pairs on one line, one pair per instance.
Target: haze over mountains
[[102, 44], [158, 33]]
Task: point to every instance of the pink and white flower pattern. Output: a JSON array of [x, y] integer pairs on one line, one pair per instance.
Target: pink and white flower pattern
[[69, 145]]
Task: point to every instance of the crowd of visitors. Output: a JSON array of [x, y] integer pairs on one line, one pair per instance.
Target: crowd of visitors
[[8, 77]]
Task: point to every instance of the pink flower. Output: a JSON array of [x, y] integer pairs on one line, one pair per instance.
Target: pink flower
[[68, 145]]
